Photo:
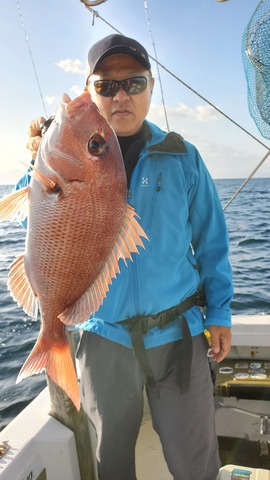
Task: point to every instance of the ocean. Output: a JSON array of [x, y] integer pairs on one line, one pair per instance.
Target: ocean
[[248, 221]]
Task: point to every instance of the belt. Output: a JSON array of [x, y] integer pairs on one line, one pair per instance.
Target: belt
[[140, 324]]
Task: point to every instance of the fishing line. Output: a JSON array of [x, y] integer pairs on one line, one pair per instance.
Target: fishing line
[[31, 56], [158, 70]]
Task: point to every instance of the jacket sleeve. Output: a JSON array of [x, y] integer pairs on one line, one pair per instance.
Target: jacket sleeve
[[210, 243], [23, 182]]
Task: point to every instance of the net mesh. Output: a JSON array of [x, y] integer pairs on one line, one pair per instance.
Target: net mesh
[[256, 59]]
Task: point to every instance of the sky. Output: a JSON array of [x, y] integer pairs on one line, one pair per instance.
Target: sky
[[43, 51]]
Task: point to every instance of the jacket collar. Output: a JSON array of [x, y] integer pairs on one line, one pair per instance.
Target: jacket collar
[[165, 142]]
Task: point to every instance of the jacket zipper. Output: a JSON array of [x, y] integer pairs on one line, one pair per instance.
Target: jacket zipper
[[154, 201], [135, 276]]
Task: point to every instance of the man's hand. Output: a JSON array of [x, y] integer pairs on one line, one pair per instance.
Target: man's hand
[[34, 136], [220, 342]]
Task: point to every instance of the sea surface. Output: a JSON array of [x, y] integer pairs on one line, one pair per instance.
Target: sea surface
[[248, 221]]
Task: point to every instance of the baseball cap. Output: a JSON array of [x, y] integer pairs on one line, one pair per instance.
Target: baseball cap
[[113, 45]]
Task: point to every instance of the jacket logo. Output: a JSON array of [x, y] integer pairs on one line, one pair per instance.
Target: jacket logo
[[145, 182]]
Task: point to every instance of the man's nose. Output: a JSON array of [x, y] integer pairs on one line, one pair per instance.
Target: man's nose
[[121, 95]]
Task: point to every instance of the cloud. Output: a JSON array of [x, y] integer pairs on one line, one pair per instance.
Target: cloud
[[227, 153], [199, 113], [205, 113], [53, 100], [50, 100], [71, 66], [76, 89]]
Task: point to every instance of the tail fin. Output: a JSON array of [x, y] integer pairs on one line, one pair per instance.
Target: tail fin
[[54, 358]]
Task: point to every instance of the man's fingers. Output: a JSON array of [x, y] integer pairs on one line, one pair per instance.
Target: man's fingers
[[220, 342], [33, 144], [34, 135], [34, 127]]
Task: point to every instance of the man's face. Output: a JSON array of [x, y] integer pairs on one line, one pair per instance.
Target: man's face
[[124, 112]]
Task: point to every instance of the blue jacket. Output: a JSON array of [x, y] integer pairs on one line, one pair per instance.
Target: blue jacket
[[188, 247], [178, 206]]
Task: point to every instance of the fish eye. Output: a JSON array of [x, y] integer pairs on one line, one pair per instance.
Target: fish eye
[[97, 145]]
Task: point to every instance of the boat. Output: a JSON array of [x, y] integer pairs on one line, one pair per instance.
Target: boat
[[35, 446]]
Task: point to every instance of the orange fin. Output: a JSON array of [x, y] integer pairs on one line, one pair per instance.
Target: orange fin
[[56, 360], [40, 177], [20, 288], [15, 205], [126, 243]]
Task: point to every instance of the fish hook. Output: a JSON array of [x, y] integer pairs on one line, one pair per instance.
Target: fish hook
[[95, 14]]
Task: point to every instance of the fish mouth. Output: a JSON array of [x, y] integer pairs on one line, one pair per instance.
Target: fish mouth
[[80, 103]]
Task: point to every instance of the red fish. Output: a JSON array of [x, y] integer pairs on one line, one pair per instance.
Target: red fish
[[79, 226]]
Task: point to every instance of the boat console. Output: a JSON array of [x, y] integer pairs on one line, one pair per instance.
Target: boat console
[[242, 395]]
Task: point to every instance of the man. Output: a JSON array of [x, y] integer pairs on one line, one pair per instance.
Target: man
[[149, 330]]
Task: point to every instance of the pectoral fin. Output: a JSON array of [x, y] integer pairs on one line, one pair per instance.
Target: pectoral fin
[[129, 237], [15, 205]]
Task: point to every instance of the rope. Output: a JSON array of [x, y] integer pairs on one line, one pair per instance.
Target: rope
[[212, 105], [31, 56], [92, 4], [247, 180], [158, 71]]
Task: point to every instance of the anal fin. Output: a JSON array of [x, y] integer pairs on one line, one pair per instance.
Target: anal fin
[[20, 288]]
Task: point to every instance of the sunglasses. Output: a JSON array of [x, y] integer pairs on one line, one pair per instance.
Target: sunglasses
[[132, 86]]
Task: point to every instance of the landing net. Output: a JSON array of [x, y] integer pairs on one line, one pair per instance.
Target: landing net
[[256, 59]]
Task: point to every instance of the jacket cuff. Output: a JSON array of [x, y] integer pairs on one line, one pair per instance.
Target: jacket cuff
[[218, 316]]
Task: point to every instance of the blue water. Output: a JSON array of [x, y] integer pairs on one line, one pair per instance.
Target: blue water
[[248, 220]]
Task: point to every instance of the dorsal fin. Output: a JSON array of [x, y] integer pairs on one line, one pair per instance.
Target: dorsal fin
[[15, 205], [20, 288], [126, 243]]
